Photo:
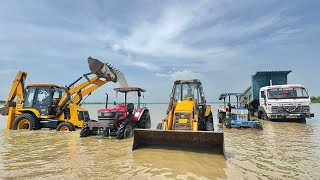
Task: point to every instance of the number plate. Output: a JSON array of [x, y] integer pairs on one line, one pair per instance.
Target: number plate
[[183, 121]]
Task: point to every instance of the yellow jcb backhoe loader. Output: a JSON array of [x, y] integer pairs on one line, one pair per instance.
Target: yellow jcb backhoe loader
[[189, 122], [51, 106]]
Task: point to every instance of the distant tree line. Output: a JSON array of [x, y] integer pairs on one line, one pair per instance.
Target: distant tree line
[[315, 99]]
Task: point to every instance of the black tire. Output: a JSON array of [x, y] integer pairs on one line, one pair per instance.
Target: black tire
[[264, 116], [31, 122], [220, 119], [145, 121], [209, 123], [65, 126], [159, 126], [227, 123], [258, 126], [106, 133], [85, 132], [125, 130], [260, 115]]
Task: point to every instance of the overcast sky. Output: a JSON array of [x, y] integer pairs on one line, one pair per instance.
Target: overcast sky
[[156, 42]]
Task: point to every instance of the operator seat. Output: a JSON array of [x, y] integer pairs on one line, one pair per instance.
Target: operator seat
[[130, 108]]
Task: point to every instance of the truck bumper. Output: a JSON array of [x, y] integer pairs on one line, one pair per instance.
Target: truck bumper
[[290, 116]]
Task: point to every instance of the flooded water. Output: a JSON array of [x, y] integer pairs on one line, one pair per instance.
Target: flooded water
[[279, 151]]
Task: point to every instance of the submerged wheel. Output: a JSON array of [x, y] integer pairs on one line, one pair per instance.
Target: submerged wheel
[[85, 132], [26, 121], [125, 130], [209, 123], [145, 121], [65, 126], [159, 126]]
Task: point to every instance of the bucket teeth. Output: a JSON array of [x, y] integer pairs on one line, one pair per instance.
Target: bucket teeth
[[107, 71]]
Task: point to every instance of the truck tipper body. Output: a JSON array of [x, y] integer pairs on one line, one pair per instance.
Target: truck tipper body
[[271, 97]]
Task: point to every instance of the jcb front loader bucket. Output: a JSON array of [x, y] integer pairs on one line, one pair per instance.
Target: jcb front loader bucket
[[186, 140], [106, 71]]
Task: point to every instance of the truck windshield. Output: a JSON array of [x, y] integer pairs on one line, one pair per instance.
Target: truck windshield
[[287, 93]]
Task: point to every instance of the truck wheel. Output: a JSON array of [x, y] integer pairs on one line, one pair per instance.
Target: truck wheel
[[159, 126], [209, 123], [264, 116], [65, 126], [26, 121], [125, 130], [145, 121]]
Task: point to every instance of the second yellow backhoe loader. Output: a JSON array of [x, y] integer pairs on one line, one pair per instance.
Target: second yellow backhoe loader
[[189, 122], [51, 106]]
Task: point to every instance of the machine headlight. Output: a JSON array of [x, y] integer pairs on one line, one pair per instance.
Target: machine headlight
[[100, 113]]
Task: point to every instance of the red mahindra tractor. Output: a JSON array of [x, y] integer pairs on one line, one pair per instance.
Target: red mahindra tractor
[[120, 120]]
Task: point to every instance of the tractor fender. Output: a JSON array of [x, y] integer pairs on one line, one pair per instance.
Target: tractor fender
[[138, 113]]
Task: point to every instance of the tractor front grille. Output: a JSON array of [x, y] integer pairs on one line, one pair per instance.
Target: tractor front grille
[[106, 116]]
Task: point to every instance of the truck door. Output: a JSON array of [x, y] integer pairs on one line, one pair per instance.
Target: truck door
[[263, 98]]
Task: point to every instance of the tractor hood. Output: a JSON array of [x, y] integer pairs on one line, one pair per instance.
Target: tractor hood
[[114, 109]]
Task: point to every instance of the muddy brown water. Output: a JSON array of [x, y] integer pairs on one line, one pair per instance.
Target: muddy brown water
[[280, 151]]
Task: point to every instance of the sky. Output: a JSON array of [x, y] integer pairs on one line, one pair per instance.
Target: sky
[[153, 43]]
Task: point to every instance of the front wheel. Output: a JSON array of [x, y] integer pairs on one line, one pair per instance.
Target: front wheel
[[65, 126], [26, 121], [264, 116], [125, 130]]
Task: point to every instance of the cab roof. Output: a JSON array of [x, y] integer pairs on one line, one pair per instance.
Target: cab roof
[[44, 84], [129, 89], [223, 95], [191, 81]]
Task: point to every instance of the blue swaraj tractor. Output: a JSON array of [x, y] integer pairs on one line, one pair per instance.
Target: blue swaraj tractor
[[235, 115]]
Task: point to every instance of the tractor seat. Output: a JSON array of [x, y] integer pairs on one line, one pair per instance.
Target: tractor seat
[[130, 108]]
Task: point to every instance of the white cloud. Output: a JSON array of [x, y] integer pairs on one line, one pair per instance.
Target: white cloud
[[183, 75]]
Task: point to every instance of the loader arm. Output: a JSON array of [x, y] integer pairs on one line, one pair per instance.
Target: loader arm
[[78, 92], [103, 73], [16, 93]]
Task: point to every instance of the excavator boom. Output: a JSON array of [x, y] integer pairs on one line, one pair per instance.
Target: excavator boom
[[16, 93]]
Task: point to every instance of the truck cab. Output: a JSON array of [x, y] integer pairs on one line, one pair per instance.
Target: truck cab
[[290, 101]]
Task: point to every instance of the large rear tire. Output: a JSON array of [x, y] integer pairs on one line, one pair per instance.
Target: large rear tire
[[26, 121], [65, 126], [145, 121], [125, 130]]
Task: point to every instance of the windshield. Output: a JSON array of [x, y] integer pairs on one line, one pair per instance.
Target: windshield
[[287, 93], [187, 90]]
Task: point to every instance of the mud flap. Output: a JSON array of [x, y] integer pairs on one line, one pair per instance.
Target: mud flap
[[208, 141]]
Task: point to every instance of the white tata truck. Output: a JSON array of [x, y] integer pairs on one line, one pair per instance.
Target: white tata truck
[[270, 97]]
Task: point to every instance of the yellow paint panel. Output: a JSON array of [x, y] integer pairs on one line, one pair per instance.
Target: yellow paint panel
[[183, 121]]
